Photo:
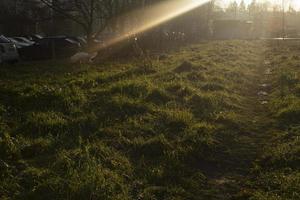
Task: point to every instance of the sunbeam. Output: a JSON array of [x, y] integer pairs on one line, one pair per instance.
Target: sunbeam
[[150, 17]]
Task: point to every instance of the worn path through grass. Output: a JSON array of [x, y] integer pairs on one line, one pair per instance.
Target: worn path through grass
[[236, 181]]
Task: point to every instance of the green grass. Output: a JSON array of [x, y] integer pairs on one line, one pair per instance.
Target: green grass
[[119, 130], [278, 166]]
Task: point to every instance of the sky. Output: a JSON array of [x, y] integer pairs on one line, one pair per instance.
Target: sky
[[294, 3]]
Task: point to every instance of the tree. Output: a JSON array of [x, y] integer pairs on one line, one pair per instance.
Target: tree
[[252, 8], [21, 16], [242, 7], [82, 12], [209, 18], [233, 8], [92, 15]]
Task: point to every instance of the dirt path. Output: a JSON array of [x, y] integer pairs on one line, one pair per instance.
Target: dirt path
[[232, 184]]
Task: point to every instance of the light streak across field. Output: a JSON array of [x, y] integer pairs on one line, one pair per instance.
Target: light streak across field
[[150, 17]]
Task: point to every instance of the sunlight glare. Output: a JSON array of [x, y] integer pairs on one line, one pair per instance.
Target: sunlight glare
[[150, 17]]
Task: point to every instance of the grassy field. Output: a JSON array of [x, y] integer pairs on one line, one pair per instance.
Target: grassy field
[[216, 120]]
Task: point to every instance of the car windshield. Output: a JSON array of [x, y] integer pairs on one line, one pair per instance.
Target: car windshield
[[4, 39], [71, 40], [39, 36], [24, 39], [13, 40], [19, 40]]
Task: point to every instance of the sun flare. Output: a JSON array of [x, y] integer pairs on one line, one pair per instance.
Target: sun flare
[[151, 17]]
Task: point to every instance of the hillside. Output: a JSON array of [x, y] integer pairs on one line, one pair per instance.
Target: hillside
[[216, 120]]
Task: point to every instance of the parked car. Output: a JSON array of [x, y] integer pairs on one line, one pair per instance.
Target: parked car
[[24, 40], [9, 52], [18, 44], [50, 47], [82, 41], [34, 38]]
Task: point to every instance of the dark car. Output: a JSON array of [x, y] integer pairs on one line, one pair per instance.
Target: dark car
[[19, 44], [34, 38], [24, 40], [50, 47]]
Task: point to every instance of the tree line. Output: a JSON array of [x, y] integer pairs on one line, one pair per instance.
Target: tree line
[[54, 16], [91, 17]]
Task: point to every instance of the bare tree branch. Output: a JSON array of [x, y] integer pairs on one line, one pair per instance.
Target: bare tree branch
[[63, 12]]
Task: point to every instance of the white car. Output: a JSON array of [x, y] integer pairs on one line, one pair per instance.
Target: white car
[[9, 52]]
